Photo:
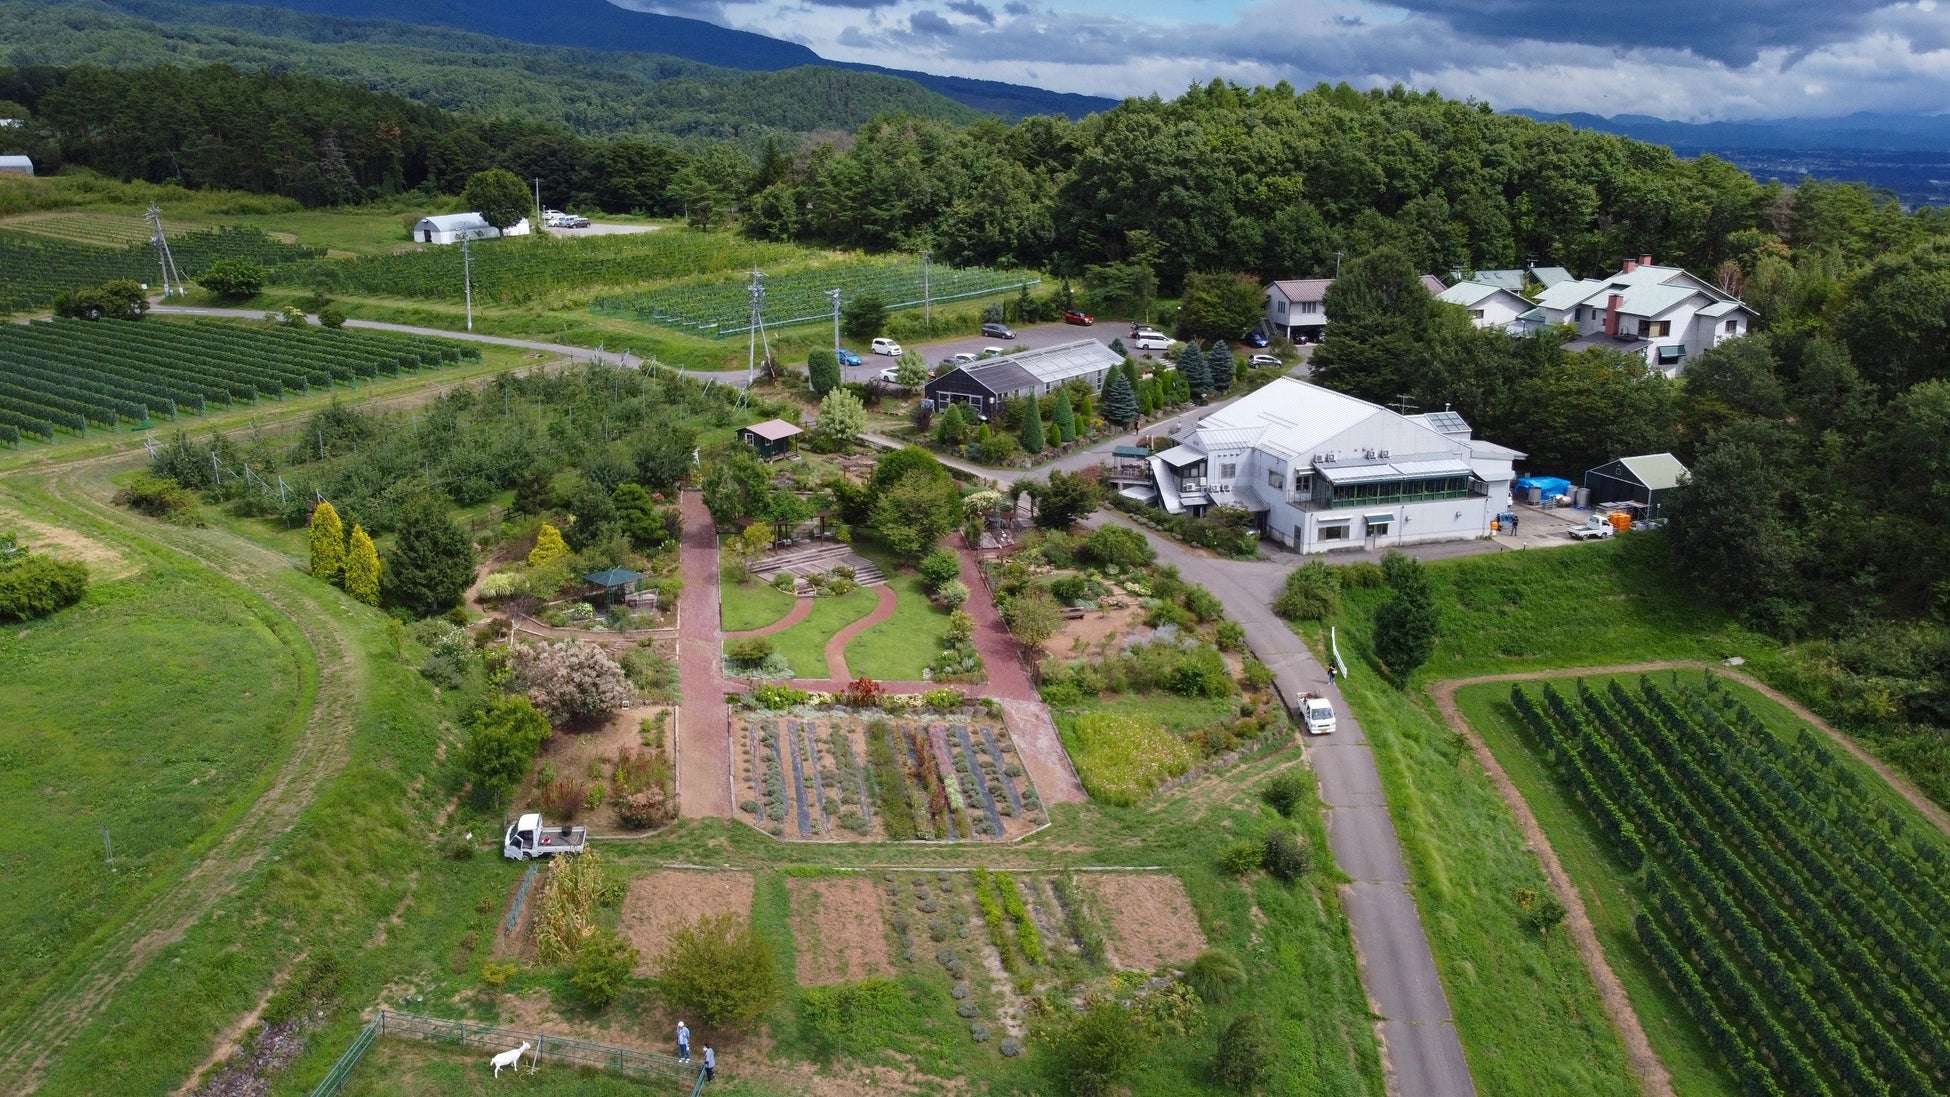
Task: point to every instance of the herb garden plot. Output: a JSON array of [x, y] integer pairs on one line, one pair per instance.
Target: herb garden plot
[[35, 268], [724, 307], [521, 270], [71, 374], [1799, 920], [824, 778]]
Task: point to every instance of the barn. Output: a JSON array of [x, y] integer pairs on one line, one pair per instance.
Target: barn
[[1645, 479], [16, 165], [452, 228], [984, 385]]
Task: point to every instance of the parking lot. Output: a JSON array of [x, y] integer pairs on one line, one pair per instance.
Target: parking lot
[[1032, 336]]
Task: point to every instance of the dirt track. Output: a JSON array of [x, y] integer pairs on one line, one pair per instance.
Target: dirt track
[[1638, 1049]]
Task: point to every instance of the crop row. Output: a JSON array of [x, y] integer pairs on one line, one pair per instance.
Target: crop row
[[34, 268], [524, 269], [68, 374], [1826, 976], [724, 306]]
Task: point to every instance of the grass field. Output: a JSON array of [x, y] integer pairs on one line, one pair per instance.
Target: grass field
[[804, 644], [752, 605], [162, 771], [901, 647]]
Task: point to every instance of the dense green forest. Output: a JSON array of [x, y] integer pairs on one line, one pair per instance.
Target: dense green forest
[[595, 93]]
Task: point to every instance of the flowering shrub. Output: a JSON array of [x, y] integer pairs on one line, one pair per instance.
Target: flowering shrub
[[863, 692], [571, 682], [943, 699]]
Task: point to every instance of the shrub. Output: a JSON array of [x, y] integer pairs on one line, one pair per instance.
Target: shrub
[[651, 673], [1286, 858], [944, 699], [1098, 1051], [1216, 976], [563, 797], [1257, 674], [952, 594], [1203, 604], [852, 1018], [602, 968], [496, 976], [1312, 593], [161, 497], [1247, 1056], [961, 627], [646, 810], [1363, 574], [1285, 792], [718, 969], [1230, 636], [863, 692], [749, 652], [570, 681], [1241, 857], [779, 698], [35, 586], [1120, 545], [938, 567]]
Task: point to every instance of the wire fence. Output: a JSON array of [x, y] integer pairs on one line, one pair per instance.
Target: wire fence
[[559, 1049]]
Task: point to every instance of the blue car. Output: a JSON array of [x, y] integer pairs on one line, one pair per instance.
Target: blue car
[[847, 357], [1257, 338]]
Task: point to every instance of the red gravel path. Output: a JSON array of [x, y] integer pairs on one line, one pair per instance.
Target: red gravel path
[[704, 726], [883, 609]]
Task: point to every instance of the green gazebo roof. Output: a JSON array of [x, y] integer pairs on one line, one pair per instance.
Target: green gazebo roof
[[614, 577]]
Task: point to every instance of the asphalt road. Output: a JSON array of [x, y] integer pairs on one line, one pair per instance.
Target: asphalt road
[[1419, 1047]]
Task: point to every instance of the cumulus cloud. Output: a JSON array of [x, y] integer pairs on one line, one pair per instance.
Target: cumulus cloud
[[1749, 59]]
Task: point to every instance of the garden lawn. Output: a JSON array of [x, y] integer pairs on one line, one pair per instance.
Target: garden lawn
[[901, 647], [752, 605], [804, 644]]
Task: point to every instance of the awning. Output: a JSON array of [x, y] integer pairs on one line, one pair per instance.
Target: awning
[[1338, 520], [1180, 456], [1130, 451], [1369, 472], [614, 577], [1384, 516]]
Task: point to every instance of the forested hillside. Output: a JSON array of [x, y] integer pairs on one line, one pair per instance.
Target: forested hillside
[[594, 92]]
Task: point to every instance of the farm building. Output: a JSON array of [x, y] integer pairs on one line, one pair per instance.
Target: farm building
[[16, 165], [772, 438], [984, 385], [452, 228], [1644, 479], [1320, 471]]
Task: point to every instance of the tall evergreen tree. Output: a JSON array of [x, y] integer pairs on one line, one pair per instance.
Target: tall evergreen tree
[[1064, 417], [1120, 402], [362, 568], [432, 561], [1219, 365], [327, 543], [1032, 426], [1405, 625], [1196, 377], [823, 370]]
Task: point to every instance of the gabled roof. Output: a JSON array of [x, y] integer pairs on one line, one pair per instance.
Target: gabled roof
[[1722, 308], [1434, 285], [1630, 344], [456, 222], [997, 375], [1565, 296], [1444, 422], [1471, 294], [1550, 276], [773, 430], [1289, 415], [1655, 470], [1302, 289], [1511, 280], [1643, 299], [1051, 365]]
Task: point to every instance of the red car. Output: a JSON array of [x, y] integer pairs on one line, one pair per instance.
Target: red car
[[1077, 318]]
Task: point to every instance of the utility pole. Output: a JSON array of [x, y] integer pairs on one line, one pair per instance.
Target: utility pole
[[538, 203], [835, 295], [927, 298], [751, 352], [1337, 263], [467, 279]]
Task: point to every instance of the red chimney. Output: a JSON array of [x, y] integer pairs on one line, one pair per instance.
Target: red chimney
[[1645, 260], [1631, 265], [1611, 314]]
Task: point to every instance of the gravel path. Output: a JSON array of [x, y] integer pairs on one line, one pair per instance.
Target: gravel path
[[704, 725], [883, 609]]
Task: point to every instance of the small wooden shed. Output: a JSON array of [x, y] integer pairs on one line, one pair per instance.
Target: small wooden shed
[[772, 438]]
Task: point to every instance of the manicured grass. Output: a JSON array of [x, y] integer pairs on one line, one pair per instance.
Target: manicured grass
[[804, 644], [159, 759], [901, 647], [752, 605]]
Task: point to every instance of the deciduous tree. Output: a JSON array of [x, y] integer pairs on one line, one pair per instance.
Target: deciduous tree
[[719, 970], [502, 739], [501, 199], [570, 682], [842, 419]]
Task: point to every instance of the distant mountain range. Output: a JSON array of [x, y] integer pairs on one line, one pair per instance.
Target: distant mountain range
[[598, 24], [1908, 154]]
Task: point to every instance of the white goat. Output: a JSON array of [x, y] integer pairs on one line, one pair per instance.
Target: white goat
[[509, 1059]]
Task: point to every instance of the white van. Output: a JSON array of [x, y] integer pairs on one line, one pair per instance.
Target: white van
[[1150, 340]]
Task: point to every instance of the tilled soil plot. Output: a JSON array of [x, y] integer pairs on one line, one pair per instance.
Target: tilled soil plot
[[1151, 920], [661, 903], [839, 929]]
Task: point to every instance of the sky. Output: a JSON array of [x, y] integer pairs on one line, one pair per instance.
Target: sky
[[1688, 60]]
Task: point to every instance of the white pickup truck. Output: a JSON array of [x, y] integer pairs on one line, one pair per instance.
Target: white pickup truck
[[528, 837], [1316, 714], [1595, 528]]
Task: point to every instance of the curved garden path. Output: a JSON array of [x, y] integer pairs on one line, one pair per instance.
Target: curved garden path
[[801, 609], [330, 687], [884, 601], [1638, 1049]]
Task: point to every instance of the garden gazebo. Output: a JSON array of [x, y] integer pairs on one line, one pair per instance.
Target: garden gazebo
[[613, 581]]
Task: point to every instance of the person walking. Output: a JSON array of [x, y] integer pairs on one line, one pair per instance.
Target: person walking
[[683, 1042], [710, 1063]]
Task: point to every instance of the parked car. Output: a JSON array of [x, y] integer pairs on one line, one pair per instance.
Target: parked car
[[1141, 330], [1595, 528], [1150, 340], [1259, 360], [993, 352], [887, 346], [1078, 318], [890, 375], [964, 358], [847, 357], [998, 331], [1257, 338]]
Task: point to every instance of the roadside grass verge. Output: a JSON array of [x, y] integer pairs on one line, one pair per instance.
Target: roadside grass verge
[[752, 605], [804, 644]]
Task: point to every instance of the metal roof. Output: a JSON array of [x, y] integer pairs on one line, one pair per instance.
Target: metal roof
[[773, 430], [1434, 285], [1722, 308], [1300, 290], [1129, 451], [1368, 472], [1551, 276], [1053, 365], [1655, 470], [1180, 456], [998, 375], [1470, 294]]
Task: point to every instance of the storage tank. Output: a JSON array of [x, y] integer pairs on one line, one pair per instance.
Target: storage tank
[[1534, 495], [1584, 498]]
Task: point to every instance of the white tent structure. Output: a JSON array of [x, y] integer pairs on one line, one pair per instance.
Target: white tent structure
[[452, 228], [16, 165]]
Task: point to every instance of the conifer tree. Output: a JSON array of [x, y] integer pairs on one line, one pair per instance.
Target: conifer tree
[[327, 543], [1192, 371], [1219, 366], [1064, 417], [1120, 402], [1032, 426], [362, 568], [549, 547]]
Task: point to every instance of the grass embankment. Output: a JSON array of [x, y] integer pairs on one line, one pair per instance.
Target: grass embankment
[[1527, 1011]]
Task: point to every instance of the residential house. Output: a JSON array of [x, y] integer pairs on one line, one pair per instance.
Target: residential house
[[1297, 309], [1662, 314], [985, 384], [1321, 470], [1516, 281], [1489, 306], [452, 228]]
